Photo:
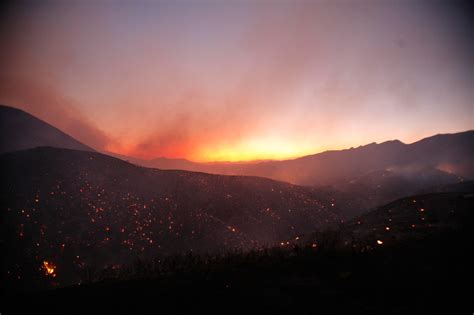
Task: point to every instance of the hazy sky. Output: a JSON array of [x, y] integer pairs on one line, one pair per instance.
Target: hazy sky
[[240, 80]]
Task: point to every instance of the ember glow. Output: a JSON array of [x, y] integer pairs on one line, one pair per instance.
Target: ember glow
[[49, 269], [215, 81]]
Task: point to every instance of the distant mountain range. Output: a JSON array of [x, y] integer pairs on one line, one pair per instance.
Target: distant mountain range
[[450, 153], [365, 177], [20, 130]]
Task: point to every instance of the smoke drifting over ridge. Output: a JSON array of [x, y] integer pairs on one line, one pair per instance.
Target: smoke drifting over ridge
[[49, 105], [241, 81]]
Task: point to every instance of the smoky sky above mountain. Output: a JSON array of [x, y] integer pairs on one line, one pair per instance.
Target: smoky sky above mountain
[[240, 80]]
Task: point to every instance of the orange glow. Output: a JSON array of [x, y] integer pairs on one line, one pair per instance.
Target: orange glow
[[210, 149], [222, 145], [272, 83], [379, 242], [254, 149], [49, 269]]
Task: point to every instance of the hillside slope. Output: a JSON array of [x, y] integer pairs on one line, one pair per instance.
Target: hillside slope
[[423, 270], [80, 209], [20, 130]]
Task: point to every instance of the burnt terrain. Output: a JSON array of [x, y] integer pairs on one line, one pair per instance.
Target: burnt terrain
[[81, 209], [421, 269], [382, 228]]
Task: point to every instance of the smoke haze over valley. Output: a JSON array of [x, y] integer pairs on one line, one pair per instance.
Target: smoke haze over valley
[[271, 157]]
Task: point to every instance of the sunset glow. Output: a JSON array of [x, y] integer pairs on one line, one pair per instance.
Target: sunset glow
[[209, 81], [258, 149], [236, 156]]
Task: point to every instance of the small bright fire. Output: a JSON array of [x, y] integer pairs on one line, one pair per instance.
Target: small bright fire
[[49, 269]]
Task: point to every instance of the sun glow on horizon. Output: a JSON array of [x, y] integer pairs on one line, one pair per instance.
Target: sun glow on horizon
[[242, 81], [223, 154], [249, 150], [255, 149]]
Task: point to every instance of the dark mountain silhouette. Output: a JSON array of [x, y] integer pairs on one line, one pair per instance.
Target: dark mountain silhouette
[[451, 153], [80, 209], [20, 130]]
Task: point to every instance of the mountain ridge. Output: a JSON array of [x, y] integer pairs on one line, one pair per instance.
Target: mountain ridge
[[332, 166], [20, 130]]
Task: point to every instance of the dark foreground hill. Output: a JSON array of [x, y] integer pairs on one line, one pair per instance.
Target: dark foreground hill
[[426, 269], [20, 130], [77, 210]]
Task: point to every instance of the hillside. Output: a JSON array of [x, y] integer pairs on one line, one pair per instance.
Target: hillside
[[20, 130], [414, 270], [380, 187], [80, 209], [413, 218]]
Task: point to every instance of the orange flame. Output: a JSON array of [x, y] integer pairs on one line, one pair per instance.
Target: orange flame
[[49, 269]]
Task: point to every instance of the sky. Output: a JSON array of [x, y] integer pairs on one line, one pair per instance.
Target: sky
[[239, 80]]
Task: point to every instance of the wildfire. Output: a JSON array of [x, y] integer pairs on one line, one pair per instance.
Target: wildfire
[[49, 269]]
